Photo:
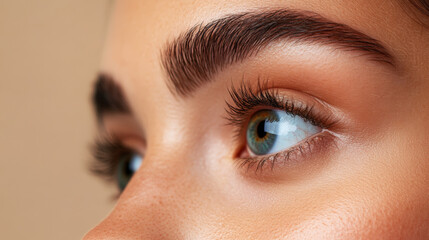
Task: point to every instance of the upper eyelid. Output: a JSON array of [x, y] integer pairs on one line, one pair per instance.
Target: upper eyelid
[[265, 96], [246, 97], [246, 90]]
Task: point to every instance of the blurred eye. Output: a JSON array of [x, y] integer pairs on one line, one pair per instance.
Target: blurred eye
[[272, 131], [127, 166], [114, 161]]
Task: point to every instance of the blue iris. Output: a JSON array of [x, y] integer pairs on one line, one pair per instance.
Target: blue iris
[[271, 131], [128, 165]]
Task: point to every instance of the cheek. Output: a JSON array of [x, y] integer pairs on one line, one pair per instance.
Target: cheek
[[368, 217]]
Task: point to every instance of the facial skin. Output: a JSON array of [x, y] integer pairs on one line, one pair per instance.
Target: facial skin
[[369, 180]]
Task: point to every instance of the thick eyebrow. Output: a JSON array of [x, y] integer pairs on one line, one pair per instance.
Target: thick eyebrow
[[108, 97], [191, 59]]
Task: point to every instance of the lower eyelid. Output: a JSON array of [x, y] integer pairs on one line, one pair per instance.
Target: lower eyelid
[[307, 153]]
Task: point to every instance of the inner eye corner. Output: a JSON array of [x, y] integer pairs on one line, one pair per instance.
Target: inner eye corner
[[241, 152]]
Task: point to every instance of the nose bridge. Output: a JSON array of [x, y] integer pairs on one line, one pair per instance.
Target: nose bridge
[[155, 201], [162, 193]]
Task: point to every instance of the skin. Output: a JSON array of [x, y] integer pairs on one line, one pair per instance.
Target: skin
[[371, 184]]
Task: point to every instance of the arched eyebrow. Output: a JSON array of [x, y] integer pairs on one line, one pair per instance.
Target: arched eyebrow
[[191, 59]]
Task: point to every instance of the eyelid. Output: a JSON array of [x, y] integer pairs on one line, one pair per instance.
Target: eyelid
[[133, 142], [247, 100], [122, 126]]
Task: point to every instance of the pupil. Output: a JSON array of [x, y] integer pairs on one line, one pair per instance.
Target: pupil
[[261, 129], [128, 171]]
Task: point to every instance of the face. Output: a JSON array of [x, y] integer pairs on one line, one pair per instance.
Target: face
[[265, 120]]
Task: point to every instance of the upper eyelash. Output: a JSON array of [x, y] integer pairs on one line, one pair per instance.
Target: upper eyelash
[[245, 99], [106, 154]]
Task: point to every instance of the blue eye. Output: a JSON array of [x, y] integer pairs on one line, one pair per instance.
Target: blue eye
[[127, 166], [272, 131]]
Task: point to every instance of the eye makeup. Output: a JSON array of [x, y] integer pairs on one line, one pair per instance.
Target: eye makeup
[[275, 129]]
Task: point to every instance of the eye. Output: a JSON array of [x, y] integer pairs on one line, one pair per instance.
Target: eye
[[272, 131], [127, 166], [114, 161]]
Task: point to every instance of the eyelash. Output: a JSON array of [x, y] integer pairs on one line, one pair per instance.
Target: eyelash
[[107, 152], [246, 100]]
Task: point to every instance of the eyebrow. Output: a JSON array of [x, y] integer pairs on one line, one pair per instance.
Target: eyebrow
[[191, 59], [108, 97]]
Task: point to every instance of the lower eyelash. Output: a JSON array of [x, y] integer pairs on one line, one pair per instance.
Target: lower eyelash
[[289, 157]]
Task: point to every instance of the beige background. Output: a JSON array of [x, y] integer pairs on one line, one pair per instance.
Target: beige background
[[49, 51]]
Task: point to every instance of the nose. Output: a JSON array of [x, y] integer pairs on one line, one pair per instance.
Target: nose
[[154, 204]]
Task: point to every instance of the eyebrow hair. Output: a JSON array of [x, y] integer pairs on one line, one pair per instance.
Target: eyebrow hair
[[191, 59], [108, 97], [419, 11], [421, 5]]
